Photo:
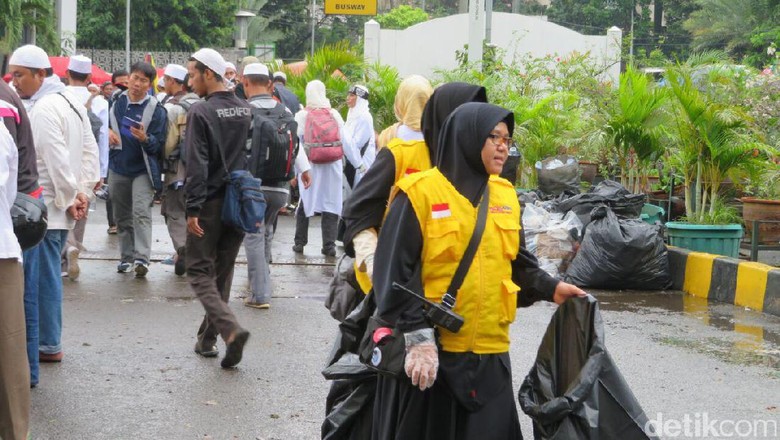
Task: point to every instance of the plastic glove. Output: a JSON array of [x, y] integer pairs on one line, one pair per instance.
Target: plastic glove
[[364, 243], [422, 358]]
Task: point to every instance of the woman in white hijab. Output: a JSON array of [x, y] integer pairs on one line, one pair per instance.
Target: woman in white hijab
[[324, 196], [359, 136]]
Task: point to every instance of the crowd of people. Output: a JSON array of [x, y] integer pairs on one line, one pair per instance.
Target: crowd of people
[[405, 196]]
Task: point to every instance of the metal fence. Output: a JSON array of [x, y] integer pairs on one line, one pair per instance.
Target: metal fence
[[111, 60]]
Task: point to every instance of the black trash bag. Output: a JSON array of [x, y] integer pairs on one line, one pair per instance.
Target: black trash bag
[[575, 391], [344, 293], [350, 402], [607, 193], [620, 254], [558, 174]]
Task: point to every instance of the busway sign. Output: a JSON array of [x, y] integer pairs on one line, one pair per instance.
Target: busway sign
[[350, 7]]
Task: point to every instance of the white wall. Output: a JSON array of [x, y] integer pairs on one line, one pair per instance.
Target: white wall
[[431, 45]]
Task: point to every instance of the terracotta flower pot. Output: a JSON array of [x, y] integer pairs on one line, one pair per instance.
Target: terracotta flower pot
[[762, 209], [589, 171]]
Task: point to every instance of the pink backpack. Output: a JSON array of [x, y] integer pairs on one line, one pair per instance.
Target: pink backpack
[[321, 136]]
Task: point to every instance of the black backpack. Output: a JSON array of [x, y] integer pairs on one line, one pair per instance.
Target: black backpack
[[273, 144]]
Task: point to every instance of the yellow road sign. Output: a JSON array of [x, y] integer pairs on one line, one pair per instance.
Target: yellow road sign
[[350, 7]]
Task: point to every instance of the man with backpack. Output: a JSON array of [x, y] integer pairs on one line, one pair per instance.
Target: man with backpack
[[137, 137], [174, 201], [79, 77], [273, 156]]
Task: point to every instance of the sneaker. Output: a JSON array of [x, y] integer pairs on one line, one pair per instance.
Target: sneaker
[[141, 269], [72, 256], [298, 248], [329, 252], [179, 267], [256, 305], [124, 267], [111, 230]]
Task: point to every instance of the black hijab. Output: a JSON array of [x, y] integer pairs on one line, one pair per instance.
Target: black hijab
[[460, 145], [440, 105]]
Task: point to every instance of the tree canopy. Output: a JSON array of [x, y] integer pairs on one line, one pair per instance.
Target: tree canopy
[[171, 25]]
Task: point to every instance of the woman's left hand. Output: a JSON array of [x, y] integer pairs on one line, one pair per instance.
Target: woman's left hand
[[564, 291]]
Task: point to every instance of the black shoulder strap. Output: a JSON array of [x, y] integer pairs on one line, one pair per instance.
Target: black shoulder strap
[[463, 268], [71, 106]]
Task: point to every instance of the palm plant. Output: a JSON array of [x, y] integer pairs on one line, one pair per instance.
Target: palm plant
[[635, 127], [328, 65], [382, 82], [715, 142]]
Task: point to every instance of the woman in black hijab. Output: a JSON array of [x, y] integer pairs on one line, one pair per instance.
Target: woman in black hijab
[[464, 391], [365, 208]]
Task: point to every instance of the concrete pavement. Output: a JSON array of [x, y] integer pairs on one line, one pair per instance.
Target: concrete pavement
[[130, 373]]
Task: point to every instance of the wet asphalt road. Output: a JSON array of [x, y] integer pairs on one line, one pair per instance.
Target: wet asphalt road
[[130, 373]]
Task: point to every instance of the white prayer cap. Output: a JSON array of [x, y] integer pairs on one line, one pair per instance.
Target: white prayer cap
[[256, 69], [211, 59], [175, 71], [229, 65], [281, 75], [30, 56], [80, 64]]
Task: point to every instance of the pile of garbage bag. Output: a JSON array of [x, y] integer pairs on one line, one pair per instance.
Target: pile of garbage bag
[[596, 239]]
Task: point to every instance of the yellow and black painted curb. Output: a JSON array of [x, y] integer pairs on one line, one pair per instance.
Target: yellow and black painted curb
[[718, 278]]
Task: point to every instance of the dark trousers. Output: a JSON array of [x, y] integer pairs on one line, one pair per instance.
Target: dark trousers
[[109, 209], [210, 261], [330, 227]]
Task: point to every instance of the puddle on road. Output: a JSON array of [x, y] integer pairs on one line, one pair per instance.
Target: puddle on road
[[755, 336]]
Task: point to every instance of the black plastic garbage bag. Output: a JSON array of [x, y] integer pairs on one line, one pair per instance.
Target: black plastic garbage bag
[[350, 402], [620, 254], [558, 174], [574, 391], [607, 193]]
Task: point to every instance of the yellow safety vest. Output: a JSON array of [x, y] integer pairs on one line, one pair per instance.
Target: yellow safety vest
[[488, 297], [410, 157]]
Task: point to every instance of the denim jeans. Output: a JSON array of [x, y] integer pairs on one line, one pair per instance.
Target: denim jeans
[[49, 296], [258, 249], [31, 271]]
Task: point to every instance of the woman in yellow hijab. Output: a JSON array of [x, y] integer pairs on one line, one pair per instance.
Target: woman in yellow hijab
[[410, 100]]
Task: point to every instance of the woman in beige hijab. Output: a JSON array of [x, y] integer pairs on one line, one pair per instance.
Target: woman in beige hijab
[[410, 100]]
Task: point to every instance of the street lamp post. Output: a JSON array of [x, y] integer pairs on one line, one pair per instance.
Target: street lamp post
[[242, 28], [127, 35]]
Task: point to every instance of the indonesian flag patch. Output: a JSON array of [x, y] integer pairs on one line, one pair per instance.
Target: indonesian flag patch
[[441, 210]]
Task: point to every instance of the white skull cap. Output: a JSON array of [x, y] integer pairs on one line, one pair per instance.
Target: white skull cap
[[80, 64], [256, 69], [211, 59], [30, 56], [175, 71]]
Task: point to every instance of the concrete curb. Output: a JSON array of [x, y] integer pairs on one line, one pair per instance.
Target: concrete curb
[[717, 278]]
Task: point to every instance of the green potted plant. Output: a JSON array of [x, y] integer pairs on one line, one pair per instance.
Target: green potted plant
[[714, 140]]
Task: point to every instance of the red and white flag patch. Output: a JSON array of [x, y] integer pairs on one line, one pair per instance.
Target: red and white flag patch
[[441, 210]]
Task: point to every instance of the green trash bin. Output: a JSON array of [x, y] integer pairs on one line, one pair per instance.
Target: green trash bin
[[652, 214]]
